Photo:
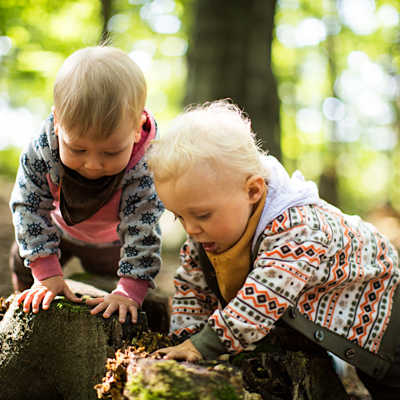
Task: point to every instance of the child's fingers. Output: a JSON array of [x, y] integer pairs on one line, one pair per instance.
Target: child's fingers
[[93, 302], [161, 352], [174, 355], [37, 299], [71, 296], [110, 309], [123, 310], [21, 296], [100, 307], [133, 311], [28, 300], [192, 357], [48, 298]]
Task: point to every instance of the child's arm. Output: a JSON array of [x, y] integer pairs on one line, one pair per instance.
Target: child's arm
[[192, 305], [272, 285], [270, 288], [193, 301], [31, 203], [140, 211]]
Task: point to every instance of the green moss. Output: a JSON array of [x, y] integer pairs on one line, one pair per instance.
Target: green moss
[[226, 392], [170, 380], [61, 303]]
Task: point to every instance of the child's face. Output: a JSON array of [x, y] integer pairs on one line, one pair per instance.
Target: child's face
[[214, 210], [93, 158]]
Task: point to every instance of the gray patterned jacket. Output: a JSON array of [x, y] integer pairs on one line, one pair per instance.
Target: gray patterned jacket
[[130, 217]]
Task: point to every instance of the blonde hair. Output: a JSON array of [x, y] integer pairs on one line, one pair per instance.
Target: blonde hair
[[216, 133], [96, 88]]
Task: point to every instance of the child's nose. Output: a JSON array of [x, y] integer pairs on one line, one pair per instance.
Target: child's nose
[[192, 228], [93, 163]]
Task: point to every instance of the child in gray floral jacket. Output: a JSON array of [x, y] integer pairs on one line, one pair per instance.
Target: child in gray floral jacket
[[84, 189], [263, 247]]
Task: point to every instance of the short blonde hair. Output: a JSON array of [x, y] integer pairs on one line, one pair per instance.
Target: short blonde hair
[[96, 88], [217, 133]]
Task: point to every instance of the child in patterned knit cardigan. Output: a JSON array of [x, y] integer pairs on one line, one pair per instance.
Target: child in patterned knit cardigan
[[84, 189], [261, 243]]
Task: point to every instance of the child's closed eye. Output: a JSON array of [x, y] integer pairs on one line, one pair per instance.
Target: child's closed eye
[[77, 151], [112, 154], [203, 217]]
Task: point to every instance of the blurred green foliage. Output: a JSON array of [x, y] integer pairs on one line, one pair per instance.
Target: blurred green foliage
[[9, 158], [337, 64]]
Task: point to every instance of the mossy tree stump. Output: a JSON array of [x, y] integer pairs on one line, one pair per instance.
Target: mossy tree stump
[[58, 354]]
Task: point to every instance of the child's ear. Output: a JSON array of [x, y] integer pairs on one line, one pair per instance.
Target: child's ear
[[142, 121], [255, 188], [56, 124]]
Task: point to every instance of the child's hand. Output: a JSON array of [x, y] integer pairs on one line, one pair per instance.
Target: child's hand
[[184, 351], [44, 292], [113, 302]]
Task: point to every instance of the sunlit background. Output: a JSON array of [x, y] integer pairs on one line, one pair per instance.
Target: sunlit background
[[336, 62]]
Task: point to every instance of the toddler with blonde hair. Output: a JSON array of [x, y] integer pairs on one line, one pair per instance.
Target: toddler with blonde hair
[[83, 187], [262, 247]]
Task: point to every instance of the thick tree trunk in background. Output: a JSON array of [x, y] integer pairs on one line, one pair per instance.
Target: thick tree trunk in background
[[106, 13], [230, 57]]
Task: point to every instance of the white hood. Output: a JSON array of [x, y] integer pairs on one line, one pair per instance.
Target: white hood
[[284, 192]]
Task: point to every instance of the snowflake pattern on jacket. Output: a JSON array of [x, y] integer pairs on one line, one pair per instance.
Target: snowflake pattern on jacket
[[136, 219], [335, 269]]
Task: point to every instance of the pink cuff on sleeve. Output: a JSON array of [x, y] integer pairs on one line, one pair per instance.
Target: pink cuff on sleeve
[[135, 289], [46, 267]]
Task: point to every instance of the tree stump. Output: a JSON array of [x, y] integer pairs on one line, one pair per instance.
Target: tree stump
[[57, 354]]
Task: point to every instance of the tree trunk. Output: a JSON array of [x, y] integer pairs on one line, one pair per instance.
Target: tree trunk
[[230, 57]]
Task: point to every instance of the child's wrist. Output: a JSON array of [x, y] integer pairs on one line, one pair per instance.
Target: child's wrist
[[134, 289], [207, 343], [46, 267]]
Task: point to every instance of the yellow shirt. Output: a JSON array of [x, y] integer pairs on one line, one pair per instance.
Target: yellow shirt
[[233, 265]]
